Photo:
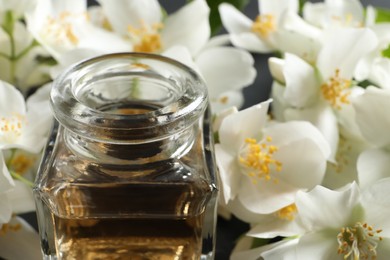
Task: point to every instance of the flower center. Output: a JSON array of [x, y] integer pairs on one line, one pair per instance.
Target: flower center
[[5, 228], [336, 90], [146, 38], [11, 128], [259, 160], [264, 25], [62, 27], [21, 163], [359, 241], [288, 212]]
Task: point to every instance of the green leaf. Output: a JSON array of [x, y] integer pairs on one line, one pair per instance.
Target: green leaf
[[382, 15], [258, 242], [301, 4], [386, 52], [215, 19], [44, 60]]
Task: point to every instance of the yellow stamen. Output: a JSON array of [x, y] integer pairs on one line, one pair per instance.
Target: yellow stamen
[[147, 39], [11, 127], [258, 159], [61, 28], [287, 213], [21, 163], [264, 25], [359, 241], [336, 90], [224, 100], [5, 228]]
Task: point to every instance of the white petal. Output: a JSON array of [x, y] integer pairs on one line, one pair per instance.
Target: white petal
[[322, 208], [249, 41], [270, 226], [183, 55], [21, 244], [265, 197], [276, 66], [315, 13], [371, 14], [283, 250], [21, 198], [227, 100], [229, 173], [247, 123], [242, 213], [380, 73], [383, 250], [297, 36], [39, 119], [217, 41], [297, 130], [121, 14], [371, 117], [71, 57], [373, 165], [303, 164], [233, 20], [377, 206], [323, 118], [302, 85], [5, 209], [346, 114], [225, 69], [91, 37], [277, 7], [6, 181], [279, 105], [343, 48], [344, 170], [220, 116], [11, 101], [320, 244], [189, 26]]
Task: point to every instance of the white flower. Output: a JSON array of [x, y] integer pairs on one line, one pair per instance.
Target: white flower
[[374, 122], [18, 240], [142, 24], [264, 167], [225, 70], [20, 52], [23, 125], [62, 26], [6, 185], [375, 66], [331, 13], [257, 36], [321, 94], [344, 224]]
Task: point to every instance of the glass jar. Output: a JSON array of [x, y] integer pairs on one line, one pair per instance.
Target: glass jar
[[128, 172]]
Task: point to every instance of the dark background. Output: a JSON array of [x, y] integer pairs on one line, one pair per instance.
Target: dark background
[[229, 231]]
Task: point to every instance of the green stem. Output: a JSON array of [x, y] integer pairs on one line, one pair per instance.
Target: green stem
[[19, 177], [33, 44]]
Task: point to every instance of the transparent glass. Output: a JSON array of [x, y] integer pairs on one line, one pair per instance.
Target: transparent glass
[[128, 172]]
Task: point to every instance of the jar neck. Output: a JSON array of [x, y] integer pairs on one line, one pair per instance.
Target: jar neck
[[169, 147]]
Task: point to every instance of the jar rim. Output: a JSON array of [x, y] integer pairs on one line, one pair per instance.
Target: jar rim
[[93, 123]]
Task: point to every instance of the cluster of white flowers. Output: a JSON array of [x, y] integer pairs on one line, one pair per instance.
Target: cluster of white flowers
[[313, 177], [41, 38]]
